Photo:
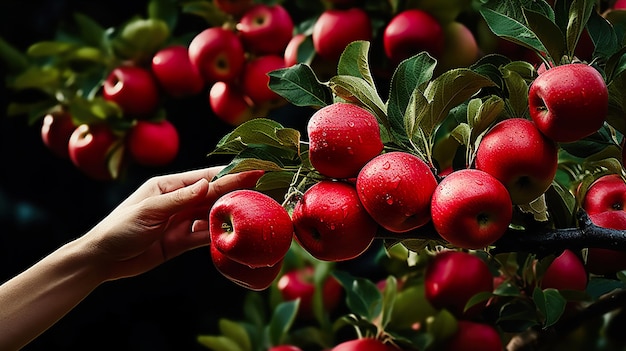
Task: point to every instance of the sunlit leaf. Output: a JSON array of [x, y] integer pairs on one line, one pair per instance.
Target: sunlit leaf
[[282, 319], [235, 331], [363, 297], [299, 85], [354, 62]]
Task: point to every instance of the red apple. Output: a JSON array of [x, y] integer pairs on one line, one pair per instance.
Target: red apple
[[334, 29], [266, 29], [133, 89], [568, 102], [218, 54], [607, 193], [175, 73], [566, 272], [255, 79], [331, 224], [363, 344], [395, 188], [90, 148], [607, 261], [255, 279], [285, 348], [250, 227], [460, 47], [298, 283], [471, 209], [235, 8], [56, 129], [411, 32], [520, 156], [343, 137], [619, 5], [452, 278], [470, 334], [229, 103], [153, 143], [291, 51]]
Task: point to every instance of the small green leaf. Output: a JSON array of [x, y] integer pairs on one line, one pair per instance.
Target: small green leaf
[[603, 36], [299, 85], [139, 39], [164, 10], [49, 48], [480, 298], [353, 62], [91, 33], [46, 79], [357, 90], [206, 10], [282, 319], [517, 316], [579, 13], [548, 34], [443, 325], [219, 343], [274, 180], [235, 331], [389, 298], [512, 29], [363, 297], [550, 304], [517, 99]]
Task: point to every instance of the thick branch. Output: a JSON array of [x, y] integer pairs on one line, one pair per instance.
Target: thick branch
[[538, 240]]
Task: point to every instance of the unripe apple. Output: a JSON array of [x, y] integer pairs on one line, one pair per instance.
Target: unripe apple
[[460, 47], [291, 51], [452, 278], [236, 8], [520, 156], [470, 335], [153, 143], [250, 227], [229, 103], [331, 224], [566, 272], [266, 29], [133, 89], [607, 193], [90, 148], [343, 137], [56, 129], [363, 344], [395, 188], [334, 29], [411, 32], [255, 279], [298, 283], [568, 102], [255, 79], [175, 73], [607, 261], [471, 209], [218, 54]]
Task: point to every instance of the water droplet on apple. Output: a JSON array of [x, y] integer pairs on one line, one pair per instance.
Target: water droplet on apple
[[389, 199], [351, 124], [350, 151], [386, 165]]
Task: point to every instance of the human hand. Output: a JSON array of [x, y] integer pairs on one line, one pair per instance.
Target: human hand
[[164, 217]]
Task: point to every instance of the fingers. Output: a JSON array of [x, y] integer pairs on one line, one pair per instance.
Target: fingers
[[178, 200], [243, 180]]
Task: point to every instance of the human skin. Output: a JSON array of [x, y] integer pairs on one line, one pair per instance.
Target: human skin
[[163, 218]]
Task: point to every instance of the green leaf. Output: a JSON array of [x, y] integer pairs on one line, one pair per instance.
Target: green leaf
[[259, 131], [206, 10], [486, 115], [512, 29], [357, 90], [579, 13], [219, 343], [517, 316], [299, 85], [274, 180], [235, 331], [481, 297], [389, 298], [447, 91], [12, 58], [517, 97], [603, 36], [282, 319], [407, 77], [550, 304], [164, 10], [47, 79], [254, 309], [363, 297], [49, 48], [548, 34], [91, 33], [443, 325], [353, 62], [139, 39]]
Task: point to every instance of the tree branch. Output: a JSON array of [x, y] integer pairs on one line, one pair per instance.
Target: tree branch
[[536, 240]]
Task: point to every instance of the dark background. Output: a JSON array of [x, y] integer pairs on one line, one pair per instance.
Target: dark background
[[45, 201]]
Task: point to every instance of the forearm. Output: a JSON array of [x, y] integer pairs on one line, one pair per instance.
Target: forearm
[[34, 300]]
